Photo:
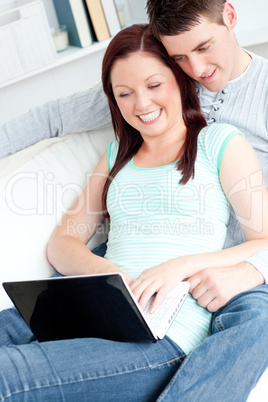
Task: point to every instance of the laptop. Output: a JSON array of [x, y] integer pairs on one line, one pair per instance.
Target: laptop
[[100, 306]]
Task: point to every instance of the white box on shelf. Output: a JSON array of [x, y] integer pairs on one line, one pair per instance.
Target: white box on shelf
[[25, 38]]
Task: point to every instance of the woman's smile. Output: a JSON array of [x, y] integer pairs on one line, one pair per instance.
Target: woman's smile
[[150, 117]]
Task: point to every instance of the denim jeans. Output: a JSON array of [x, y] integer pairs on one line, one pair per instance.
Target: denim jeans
[[229, 363], [87, 370], [225, 367]]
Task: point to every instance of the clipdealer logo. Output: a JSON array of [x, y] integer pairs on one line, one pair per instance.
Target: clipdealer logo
[[46, 196], [42, 194]]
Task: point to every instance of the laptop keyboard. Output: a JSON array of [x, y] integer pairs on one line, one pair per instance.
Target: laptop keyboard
[[167, 311]]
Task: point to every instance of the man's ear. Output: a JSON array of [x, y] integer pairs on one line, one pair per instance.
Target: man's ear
[[229, 15]]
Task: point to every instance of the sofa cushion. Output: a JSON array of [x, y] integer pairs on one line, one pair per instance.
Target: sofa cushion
[[37, 186]]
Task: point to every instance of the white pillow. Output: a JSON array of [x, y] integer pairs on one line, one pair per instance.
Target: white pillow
[[37, 186]]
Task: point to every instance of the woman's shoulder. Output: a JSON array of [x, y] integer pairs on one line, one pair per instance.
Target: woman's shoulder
[[216, 133], [216, 130], [213, 139], [112, 153]]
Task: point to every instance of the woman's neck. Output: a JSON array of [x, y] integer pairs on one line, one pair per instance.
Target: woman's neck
[[161, 150]]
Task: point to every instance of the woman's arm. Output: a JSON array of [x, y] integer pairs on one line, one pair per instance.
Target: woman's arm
[[243, 184], [67, 250], [242, 181]]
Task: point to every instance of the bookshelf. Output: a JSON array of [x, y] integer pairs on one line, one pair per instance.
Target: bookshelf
[[67, 56], [137, 14], [74, 70], [77, 68]]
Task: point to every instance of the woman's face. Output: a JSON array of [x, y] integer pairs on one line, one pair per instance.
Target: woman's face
[[147, 94]]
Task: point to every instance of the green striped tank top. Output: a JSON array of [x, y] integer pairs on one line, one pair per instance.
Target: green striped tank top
[[154, 219]]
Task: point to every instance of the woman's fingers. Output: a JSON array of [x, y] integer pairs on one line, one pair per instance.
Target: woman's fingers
[[147, 289]]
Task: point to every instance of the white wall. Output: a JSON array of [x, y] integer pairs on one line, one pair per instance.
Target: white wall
[[138, 10], [252, 14]]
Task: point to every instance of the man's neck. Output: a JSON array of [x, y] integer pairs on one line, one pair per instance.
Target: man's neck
[[242, 62]]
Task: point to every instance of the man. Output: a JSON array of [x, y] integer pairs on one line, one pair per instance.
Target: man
[[233, 88]]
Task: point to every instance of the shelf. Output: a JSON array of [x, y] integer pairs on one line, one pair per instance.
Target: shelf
[[66, 56], [246, 38]]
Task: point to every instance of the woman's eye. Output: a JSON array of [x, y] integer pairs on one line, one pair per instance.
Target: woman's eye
[[154, 86], [124, 95]]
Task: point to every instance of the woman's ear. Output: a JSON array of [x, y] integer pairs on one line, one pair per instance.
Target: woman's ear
[[229, 15]]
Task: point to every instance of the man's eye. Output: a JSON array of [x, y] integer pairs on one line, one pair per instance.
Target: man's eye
[[178, 59], [203, 49]]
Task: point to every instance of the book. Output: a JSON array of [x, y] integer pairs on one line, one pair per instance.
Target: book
[[98, 20], [98, 306], [111, 15], [72, 13]]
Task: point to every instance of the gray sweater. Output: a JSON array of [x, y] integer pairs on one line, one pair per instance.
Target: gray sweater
[[243, 103]]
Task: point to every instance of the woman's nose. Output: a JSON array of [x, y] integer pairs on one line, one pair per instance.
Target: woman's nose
[[142, 101]]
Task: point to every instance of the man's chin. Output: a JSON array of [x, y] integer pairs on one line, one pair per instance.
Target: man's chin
[[214, 86]]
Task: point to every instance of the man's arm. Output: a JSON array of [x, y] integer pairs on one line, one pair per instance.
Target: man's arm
[[260, 262], [213, 287], [80, 112]]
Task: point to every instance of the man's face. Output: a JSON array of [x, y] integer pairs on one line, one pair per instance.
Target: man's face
[[208, 53]]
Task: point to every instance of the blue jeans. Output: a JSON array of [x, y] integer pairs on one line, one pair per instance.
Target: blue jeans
[[87, 370], [225, 367]]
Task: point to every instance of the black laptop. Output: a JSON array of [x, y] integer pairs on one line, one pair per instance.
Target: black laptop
[[100, 306]]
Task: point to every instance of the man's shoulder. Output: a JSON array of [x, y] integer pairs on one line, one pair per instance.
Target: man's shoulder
[[258, 62], [262, 59]]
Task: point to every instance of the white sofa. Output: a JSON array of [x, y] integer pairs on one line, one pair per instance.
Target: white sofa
[[37, 186]]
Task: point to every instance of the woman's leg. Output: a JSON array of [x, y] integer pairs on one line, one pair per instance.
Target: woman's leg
[[87, 370], [13, 329]]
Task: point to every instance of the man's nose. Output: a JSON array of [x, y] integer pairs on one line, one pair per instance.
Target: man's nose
[[197, 66]]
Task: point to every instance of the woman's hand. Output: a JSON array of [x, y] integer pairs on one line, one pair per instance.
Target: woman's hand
[[127, 278], [160, 279], [212, 286]]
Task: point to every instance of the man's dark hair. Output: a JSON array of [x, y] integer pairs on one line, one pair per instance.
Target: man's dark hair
[[172, 17]]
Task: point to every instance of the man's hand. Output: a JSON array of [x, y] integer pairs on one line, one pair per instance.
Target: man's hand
[[214, 287]]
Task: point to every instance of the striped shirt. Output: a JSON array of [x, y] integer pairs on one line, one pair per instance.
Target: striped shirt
[[155, 219]]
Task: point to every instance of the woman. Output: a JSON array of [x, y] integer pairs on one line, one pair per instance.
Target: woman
[[163, 187], [167, 185]]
